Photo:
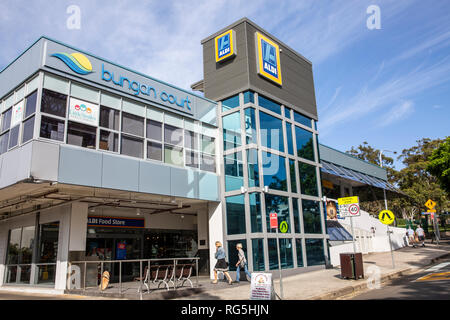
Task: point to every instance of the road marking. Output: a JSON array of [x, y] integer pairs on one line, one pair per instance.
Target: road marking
[[437, 267], [435, 277]]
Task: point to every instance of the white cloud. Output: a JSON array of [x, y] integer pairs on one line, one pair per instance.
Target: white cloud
[[399, 112]]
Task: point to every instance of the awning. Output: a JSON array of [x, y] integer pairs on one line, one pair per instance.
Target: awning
[[337, 232], [350, 174]]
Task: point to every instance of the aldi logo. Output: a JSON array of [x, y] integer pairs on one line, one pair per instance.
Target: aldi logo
[[268, 58], [225, 46]]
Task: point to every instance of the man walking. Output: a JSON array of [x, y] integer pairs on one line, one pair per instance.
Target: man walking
[[242, 262], [421, 234]]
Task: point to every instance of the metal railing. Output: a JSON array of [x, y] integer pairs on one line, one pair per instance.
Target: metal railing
[[89, 274]]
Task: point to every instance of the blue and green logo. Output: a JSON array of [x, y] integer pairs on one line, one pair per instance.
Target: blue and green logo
[[78, 62]]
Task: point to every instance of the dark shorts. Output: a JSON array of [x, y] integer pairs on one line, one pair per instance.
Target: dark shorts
[[421, 238]]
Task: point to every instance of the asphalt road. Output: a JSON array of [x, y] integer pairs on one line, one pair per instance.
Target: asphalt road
[[430, 283]]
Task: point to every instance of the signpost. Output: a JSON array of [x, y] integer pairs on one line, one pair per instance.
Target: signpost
[[430, 204], [387, 217], [274, 225], [349, 207]]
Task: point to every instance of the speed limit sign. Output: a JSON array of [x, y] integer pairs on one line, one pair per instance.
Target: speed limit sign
[[353, 209], [349, 207]]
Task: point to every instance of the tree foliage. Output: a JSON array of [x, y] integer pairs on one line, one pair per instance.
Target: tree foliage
[[439, 164]]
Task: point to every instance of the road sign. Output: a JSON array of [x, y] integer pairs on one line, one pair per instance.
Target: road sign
[[386, 217], [430, 204], [273, 220], [284, 227], [431, 210], [349, 207]]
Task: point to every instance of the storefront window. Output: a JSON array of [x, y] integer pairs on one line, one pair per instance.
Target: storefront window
[[54, 103], [253, 168], [133, 147], [154, 150], [233, 253], [19, 256], [314, 252], [258, 254], [230, 103], [269, 104], [52, 128], [235, 215], [304, 139], [298, 244], [289, 138], [81, 135], [48, 251], [30, 104], [255, 212], [132, 124], [308, 179], [234, 175], [109, 141], [109, 118], [285, 253], [173, 155], [271, 132], [296, 215], [250, 126], [311, 216], [28, 128], [231, 131], [280, 205], [274, 171], [302, 119]]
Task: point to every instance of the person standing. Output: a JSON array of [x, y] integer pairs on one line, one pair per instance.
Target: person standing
[[421, 235], [242, 262], [411, 235], [221, 264]]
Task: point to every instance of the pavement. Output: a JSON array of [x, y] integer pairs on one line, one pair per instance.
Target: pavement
[[326, 284]]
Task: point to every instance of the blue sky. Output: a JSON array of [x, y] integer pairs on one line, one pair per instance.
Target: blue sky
[[389, 87]]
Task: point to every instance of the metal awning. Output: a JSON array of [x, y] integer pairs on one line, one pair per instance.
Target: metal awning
[[350, 174]]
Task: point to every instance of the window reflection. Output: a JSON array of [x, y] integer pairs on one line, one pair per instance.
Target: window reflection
[[231, 131], [311, 216], [280, 205], [235, 214], [255, 212], [234, 175], [271, 132], [308, 179], [274, 170], [304, 139], [314, 252]]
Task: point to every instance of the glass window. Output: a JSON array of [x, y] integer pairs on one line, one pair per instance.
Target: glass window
[[208, 145], [192, 159], [208, 163], [173, 135], [274, 171], [154, 130], [173, 155], [287, 112], [4, 142], [6, 122], [132, 124], [109, 141], [30, 104], [234, 176], [27, 131], [304, 141], [302, 119], [250, 126], [292, 175], [280, 205], [271, 132], [81, 135], [231, 131], [269, 104], [249, 97], [233, 253], [154, 150], [54, 103], [296, 215], [190, 140], [14, 246], [311, 216], [132, 146], [253, 169], [255, 212], [14, 137], [26, 245], [314, 252], [235, 214], [230, 103], [109, 118], [48, 250], [289, 138], [273, 254], [308, 179], [258, 255], [298, 245], [285, 253], [52, 128]]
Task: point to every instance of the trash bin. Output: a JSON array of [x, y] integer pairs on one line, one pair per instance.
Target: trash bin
[[352, 266]]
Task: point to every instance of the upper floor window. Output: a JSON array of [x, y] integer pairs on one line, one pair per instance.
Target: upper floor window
[[54, 103]]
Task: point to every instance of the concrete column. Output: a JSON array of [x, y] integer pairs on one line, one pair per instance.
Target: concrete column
[[3, 249], [202, 227], [63, 247], [78, 227], [215, 222]]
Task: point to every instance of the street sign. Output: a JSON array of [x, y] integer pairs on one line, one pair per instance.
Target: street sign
[[273, 220], [349, 207], [284, 227], [431, 210], [386, 217], [261, 286], [430, 204]]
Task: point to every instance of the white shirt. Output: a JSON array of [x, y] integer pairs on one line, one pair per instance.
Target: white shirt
[[420, 232]]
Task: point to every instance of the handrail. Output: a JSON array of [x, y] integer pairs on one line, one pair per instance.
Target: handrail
[[133, 260]]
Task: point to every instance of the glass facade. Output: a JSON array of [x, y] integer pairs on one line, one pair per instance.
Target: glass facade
[[280, 155], [314, 252]]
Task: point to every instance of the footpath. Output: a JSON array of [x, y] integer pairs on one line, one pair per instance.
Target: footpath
[[326, 284]]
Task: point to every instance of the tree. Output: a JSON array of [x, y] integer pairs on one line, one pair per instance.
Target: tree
[[439, 164]]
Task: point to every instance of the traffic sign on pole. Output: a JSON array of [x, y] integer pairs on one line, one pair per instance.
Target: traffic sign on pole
[[430, 204], [386, 217], [273, 220]]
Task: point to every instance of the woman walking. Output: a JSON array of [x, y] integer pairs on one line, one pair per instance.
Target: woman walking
[[221, 265]]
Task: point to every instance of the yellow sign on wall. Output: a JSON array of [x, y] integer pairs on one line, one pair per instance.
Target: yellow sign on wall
[[225, 45], [348, 200], [268, 58]]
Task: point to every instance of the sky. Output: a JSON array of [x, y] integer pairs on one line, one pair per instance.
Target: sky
[[389, 86]]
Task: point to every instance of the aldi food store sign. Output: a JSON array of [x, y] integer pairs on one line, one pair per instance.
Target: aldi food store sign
[[268, 58], [225, 45], [108, 74], [116, 222]]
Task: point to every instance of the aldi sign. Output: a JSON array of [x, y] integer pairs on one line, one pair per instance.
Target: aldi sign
[[268, 58], [225, 45]]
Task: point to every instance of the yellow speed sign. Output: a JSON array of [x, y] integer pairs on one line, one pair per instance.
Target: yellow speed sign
[[386, 216]]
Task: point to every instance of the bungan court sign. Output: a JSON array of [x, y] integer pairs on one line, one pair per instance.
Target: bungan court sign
[[116, 222], [268, 58], [225, 45]]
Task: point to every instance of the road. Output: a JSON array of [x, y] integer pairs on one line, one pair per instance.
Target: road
[[429, 283]]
